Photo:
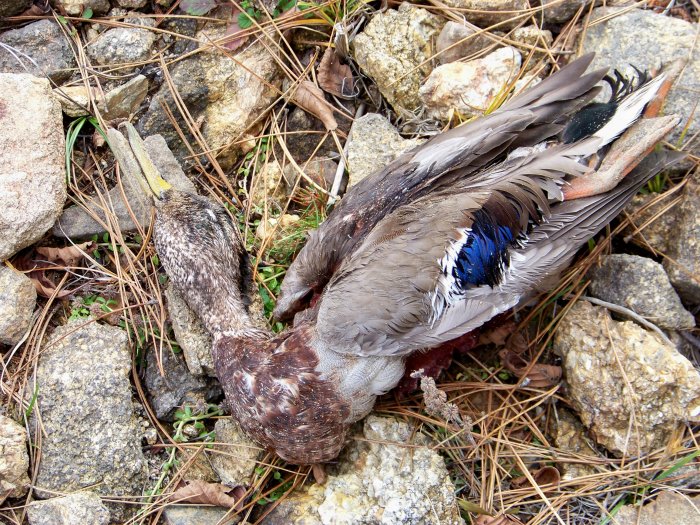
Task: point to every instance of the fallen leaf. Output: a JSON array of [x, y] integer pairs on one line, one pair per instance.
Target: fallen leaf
[[197, 7], [335, 77], [66, 256], [198, 491], [546, 478], [233, 42], [309, 97], [538, 375]]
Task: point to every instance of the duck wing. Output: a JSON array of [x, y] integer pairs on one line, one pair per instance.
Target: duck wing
[[451, 156], [444, 265]]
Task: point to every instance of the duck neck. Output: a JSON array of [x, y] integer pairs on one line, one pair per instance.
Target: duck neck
[[223, 311]]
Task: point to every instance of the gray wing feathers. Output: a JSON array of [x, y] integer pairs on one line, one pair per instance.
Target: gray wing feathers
[[379, 302]]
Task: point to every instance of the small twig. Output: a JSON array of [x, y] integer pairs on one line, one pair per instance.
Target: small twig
[[629, 313]]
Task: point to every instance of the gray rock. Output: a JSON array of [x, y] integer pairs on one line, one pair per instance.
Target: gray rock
[[13, 7], [39, 48], [14, 460], [176, 386], [641, 285], [374, 143], [132, 4], [76, 223], [32, 161], [235, 455], [651, 222], [485, 13], [268, 188], [307, 137], [75, 100], [683, 246], [123, 101], [395, 51], [669, 508], [469, 87], [90, 434], [122, 45], [320, 170], [198, 515], [647, 40], [378, 480], [17, 302], [228, 95], [190, 334], [569, 436], [80, 507], [624, 379], [535, 37], [561, 11], [460, 41], [78, 7]]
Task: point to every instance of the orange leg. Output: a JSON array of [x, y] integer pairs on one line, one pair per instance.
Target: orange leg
[[635, 144]]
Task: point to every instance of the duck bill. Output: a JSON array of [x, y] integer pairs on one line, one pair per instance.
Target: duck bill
[[156, 183]]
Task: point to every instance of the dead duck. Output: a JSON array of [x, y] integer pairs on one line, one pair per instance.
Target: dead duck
[[476, 236]]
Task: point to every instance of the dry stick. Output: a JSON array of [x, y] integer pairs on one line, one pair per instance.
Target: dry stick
[[628, 313], [335, 188]]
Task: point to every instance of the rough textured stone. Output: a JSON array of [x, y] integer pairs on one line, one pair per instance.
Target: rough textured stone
[[235, 455], [569, 437], [469, 87], [132, 4], [460, 41], [535, 37], [122, 45], [374, 143], [13, 7], [227, 95], [78, 7], [647, 40], [668, 508], [651, 226], [190, 334], [485, 13], [378, 481], [45, 44], [81, 507], [320, 170], [124, 100], [198, 515], [268, 188], [176, 386], [90, 434], [32, 161], [17, 302], [641, 285], [630, 388], [14, 460], [395, 50], [683, 249], [75, 100], [561, 11]]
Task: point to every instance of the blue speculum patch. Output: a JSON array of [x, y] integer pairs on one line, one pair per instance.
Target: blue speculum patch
[[484, 255]]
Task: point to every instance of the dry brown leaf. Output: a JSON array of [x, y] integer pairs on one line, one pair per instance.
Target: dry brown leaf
[[309, 97], [66, 256], [538, 375], [198, 491], [546, 478], [334, 77]]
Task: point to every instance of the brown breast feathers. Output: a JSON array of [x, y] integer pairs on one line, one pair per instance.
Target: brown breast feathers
[[278, 397]]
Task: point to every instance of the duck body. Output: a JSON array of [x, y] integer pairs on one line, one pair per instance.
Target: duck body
[[461, 229]]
